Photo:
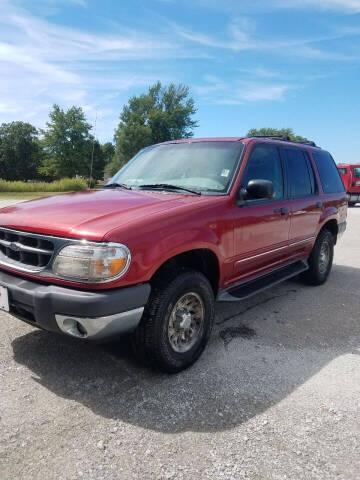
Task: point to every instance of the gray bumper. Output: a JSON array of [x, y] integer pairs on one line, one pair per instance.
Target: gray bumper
[[97, 315], [100, 328]]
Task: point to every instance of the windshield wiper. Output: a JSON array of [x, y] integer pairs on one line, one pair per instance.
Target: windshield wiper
[[117, 185], [168, 186]]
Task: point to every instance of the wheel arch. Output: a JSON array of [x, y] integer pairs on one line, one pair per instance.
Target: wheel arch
[[202, 260], [332, 226]]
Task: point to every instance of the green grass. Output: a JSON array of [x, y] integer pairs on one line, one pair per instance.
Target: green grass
[[26, 195], [64, 185]]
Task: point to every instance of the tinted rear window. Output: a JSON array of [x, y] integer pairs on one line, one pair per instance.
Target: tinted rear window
[[300, 180], [343, 171], [329, 174]]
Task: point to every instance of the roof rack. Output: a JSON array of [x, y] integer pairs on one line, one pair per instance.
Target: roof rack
[[286, 138]]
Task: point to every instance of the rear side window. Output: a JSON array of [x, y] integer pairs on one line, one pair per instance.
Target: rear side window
[[342, 171], [301, 176], [329, 174], [357, 172], [265, 164]]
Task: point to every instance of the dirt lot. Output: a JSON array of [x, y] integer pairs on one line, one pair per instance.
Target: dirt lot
[[276, 395]]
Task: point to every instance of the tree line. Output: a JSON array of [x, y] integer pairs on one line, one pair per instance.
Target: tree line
[[66, 147]]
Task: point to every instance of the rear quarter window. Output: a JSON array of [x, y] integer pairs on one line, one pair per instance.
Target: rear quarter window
[[328, 172]]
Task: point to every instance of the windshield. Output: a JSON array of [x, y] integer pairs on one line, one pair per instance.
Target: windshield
[[342, 170], [207, 167]]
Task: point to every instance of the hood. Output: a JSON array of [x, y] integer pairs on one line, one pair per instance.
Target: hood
[[88, 214]]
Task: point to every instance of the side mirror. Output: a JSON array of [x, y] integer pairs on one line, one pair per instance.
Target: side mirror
[[256, 190]]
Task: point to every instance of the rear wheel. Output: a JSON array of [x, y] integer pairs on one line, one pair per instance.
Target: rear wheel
[[321, 258], [177, 322]]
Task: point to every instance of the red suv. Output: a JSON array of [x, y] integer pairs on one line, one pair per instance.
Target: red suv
[[183, 224]]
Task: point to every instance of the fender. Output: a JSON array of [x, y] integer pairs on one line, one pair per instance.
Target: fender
[[331, 213], [154, 240]]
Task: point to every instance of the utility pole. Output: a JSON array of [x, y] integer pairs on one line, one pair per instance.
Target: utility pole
[[92, 152]]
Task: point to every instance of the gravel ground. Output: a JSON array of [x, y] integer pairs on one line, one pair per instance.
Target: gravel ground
[[276, 395]]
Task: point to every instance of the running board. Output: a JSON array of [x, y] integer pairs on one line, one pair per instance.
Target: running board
[[252, 287]]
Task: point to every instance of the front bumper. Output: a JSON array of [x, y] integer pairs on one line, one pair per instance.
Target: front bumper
[[94, 315]]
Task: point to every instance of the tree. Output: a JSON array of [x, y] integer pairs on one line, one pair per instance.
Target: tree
[[20, 152], [108, 150], [161, 114], [278, 132], [96, 151], [67, 143], [114, 166]]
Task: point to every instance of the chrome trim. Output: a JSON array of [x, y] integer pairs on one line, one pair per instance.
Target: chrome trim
[[100, 328], [59, 243], [275, 250], [261, 254], [301, 241], [25, 248]]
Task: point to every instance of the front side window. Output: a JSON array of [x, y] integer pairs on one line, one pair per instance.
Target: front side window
[[301, 177], [342, 170], [329, 174], [207, 167], [357, 172], [265, 164]]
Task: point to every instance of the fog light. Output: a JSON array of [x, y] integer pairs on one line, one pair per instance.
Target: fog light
[[73, 327]]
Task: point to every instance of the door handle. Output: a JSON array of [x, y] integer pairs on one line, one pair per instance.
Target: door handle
[[282, 211]]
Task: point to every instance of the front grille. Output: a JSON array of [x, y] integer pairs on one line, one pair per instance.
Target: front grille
[[26, 250]]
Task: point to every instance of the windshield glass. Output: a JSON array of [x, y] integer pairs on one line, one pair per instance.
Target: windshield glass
[[342, 170], [207, 167]]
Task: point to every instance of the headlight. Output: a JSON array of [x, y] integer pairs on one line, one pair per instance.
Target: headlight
[[92, 262]]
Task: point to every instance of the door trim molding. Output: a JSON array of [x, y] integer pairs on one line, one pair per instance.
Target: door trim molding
[[261, 254], [274, 250]]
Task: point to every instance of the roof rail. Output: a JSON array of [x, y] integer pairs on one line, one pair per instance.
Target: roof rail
[[286, 138]]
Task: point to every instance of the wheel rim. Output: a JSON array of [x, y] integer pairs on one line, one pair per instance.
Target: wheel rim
[[186, 322], [324, 258]]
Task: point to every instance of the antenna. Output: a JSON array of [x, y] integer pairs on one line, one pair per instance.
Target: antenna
[[92, 152]]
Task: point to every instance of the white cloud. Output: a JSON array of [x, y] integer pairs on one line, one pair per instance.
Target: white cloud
[[346, 6], [42, 63], [215, 90], [243, 36], [247, 6], [263, 92], [257, 71]]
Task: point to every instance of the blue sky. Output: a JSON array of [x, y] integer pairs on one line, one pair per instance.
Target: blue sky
[[249, 63]]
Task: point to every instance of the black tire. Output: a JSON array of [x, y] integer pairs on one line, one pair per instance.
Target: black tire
[[151, 342], [318, 272]]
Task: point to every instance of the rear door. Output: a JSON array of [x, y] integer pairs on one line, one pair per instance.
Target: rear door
[[305, 206]]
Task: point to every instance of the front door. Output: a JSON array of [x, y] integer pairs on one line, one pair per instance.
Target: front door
[[262, 226]]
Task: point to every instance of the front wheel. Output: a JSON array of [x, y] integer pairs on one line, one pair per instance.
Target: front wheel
[[177, 322], [321, 258]]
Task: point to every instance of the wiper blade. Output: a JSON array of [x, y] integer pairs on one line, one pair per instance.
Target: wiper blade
[[117, 185], [168, 186]]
